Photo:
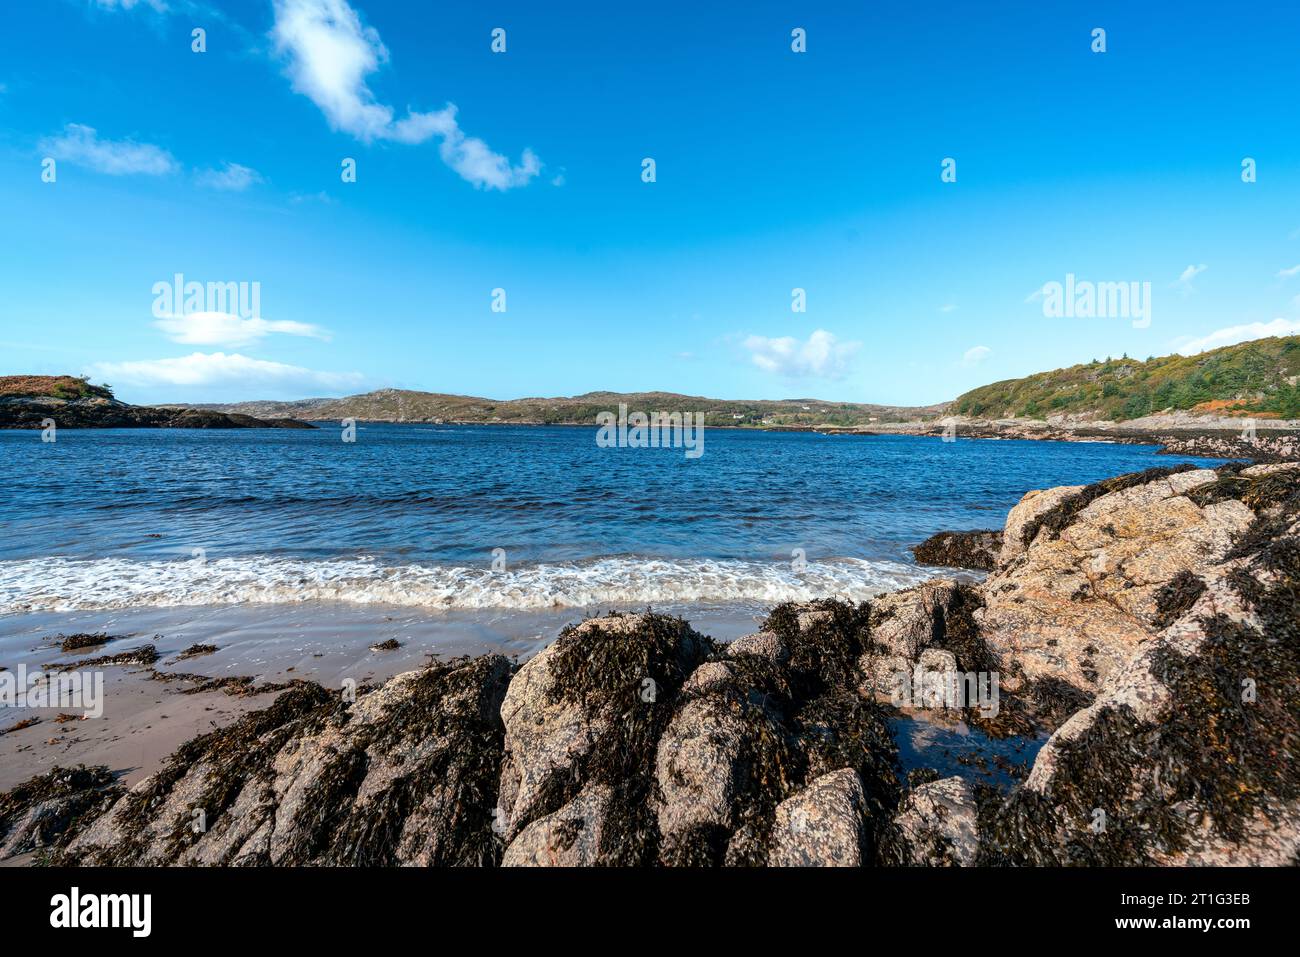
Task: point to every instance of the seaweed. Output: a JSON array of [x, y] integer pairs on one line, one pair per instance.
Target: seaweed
[[232, 754], [801, 719], [605, 670], [1176, 597], [83, 640], [1055, 700], [144, 655], [65, 799], [466, 766], [974, 550]]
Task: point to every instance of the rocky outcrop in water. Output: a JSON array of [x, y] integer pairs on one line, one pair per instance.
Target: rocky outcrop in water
[[974, 550], [1151, 623], [107, 413]]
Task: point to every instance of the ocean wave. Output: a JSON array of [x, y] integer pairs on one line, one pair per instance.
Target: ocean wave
[[58, 584]]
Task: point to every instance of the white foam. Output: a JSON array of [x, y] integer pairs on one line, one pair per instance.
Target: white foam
[[58, 584]]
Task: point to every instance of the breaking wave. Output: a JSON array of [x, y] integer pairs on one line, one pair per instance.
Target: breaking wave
[[58, 584]]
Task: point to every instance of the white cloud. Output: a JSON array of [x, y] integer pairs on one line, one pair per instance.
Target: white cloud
[[81, 145], [821, 356], [224, 329], [158, 5], [948, 307], [976, 355], [231, 176], [1244, 333], [1288, 273], [1184, 281], [329, 54], [218, 368]]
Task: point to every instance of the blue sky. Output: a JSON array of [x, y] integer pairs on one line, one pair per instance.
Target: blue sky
[[775, 170]]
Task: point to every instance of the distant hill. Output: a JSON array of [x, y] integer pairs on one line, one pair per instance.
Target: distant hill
[[1254, 378], [399, 405]]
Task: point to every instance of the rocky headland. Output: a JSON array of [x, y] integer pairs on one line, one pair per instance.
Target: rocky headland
[[30, 402], [1150, 624]]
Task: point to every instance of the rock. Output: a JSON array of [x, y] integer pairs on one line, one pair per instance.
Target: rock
[[1259, 471], [1029, 509], [887, 676], [747, 738], [544, 738], [1183, 758], [700, 767], [585, 714], [976, 550], [404, 775], [49, 810], [937, 824], [568, 838], [109, 413], [904, 623], [824, 825], [1081, 599], [764, 644]]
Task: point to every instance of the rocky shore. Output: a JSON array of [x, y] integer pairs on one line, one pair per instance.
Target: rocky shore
[[1149, 623], [1273, 440]]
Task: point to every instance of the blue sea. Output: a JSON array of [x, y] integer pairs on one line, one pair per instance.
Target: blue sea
[[442, 518], [294, 553]]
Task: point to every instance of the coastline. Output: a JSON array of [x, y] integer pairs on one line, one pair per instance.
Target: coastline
[[1069, 648]]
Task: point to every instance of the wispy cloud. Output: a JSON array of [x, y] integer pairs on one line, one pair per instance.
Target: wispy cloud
[[948, 307], [1288, 273], [329, 53], [158, 5], [976, 355], [231, 177], [219, 368], [81, 145], [821, 356], [1184, 281], [1243, 333], [224, 329]]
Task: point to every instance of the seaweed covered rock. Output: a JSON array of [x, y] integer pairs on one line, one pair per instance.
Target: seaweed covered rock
[[1188, 754], [936, 825], [977, 550], [581, 720], [405, 774], [1084, 594], [757, 730], [49, 810], [929, 628], [824, 825]]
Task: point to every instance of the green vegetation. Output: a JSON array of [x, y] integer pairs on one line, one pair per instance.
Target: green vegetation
[[1254, 378], [64, 387]]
